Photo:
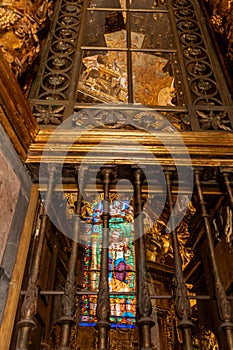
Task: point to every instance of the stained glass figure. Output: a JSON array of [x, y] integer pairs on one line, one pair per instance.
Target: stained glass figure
[[120, 263]]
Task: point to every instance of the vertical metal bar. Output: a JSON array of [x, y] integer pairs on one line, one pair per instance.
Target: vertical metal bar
[[188, 96], [103, 303], [129, 54], [68, 299], [182, 304], [30, 303], [144, 307], [227, 183], [224, 307]]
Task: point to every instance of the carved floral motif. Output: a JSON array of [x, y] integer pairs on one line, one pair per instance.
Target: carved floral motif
[[214, 120], [183, 307], [144, 303], [68, 300], [103, 305], [29, 306]]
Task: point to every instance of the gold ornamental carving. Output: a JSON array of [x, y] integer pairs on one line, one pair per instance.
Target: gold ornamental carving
[[222, 21], [20, 24], [159, 242]]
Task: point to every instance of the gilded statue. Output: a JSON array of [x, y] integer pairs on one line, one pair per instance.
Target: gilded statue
[[222, 21], [20, 24], [158, 243], [224, 219], [205, 339]]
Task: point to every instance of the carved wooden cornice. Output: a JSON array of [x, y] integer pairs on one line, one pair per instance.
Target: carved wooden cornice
[[204, 148], [15, 113]]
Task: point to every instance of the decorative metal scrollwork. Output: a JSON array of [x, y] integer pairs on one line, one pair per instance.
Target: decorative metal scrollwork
[[138, 120], [55, 78], [126, 119], [203, 79], [196, 84], [195, 54]]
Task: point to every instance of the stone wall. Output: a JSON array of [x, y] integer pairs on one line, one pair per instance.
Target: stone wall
[[15, 185]]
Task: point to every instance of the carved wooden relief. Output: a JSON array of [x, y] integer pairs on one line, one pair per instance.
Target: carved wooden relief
[[21, 23]]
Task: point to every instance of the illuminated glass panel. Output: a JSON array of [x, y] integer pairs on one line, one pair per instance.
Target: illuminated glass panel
[[120, 263], [128, 54]]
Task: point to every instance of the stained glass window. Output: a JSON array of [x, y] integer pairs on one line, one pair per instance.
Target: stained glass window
[[121, 276]]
